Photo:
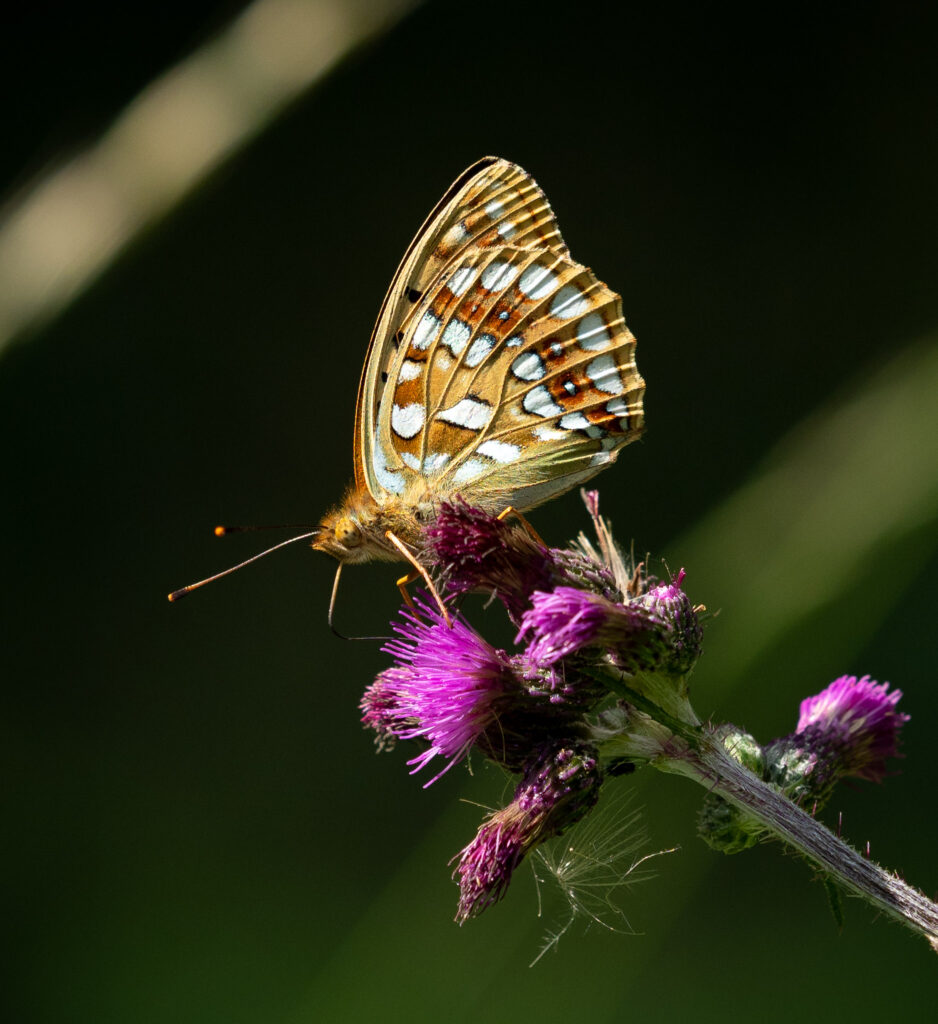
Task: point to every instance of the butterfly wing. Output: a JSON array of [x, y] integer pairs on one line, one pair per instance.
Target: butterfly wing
[[491, 202], [514, 380]]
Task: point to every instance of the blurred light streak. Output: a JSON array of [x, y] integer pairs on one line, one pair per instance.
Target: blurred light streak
[[58, 237], [844, 492]]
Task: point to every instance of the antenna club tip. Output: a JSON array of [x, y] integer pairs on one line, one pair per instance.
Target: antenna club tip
[[220, 531], [176, 594]]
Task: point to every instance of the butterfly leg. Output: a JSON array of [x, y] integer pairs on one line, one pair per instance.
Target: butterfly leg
[[419, 570], [404, 582], [532, 533]]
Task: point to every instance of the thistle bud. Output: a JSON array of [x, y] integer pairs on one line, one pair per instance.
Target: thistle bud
[[558, 787], [568, 620], [722, 826], [669, 603]]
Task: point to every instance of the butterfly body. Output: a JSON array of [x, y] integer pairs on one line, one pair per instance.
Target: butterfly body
[[357, 530], [499, 369]]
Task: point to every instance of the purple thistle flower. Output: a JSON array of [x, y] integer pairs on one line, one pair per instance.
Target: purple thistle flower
[[567, 620], [849, 729], [603, 673], [480, 552], [558, 787], [379, 705], [446, 688], [856, 720]]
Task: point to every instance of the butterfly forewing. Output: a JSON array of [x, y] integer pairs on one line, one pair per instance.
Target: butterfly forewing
[[494, 201]]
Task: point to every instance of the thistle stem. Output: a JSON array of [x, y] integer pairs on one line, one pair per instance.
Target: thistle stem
[[615, 681], [696, 754], [708, 764]]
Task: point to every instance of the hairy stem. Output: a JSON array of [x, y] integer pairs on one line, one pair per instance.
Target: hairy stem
[[707, 763], [696, 754]]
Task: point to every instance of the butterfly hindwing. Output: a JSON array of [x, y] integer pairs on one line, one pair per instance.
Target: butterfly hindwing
[[514, 380]]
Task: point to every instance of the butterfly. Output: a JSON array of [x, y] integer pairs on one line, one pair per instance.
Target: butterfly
[[499, 370]]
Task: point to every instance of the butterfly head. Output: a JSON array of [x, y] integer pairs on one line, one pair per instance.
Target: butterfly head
[[355, 531], [341, 536]]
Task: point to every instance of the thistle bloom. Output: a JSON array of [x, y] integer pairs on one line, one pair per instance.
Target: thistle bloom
[[380, 708], [480, 552], [567, 620], [856, 720], [446, 687], [599, 687], [558, 787], [849, 729]]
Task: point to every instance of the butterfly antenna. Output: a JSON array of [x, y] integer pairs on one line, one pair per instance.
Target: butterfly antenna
[[176, 594]]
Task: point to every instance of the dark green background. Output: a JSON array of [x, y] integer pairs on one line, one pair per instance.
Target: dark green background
[[195, 825]]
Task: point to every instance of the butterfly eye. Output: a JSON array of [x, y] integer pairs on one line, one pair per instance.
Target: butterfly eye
[[347, 533]]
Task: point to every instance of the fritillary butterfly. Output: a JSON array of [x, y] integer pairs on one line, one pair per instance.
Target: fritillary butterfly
[[499, 370]]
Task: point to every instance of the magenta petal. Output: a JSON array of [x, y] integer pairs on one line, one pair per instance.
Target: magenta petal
[[445, 688]]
